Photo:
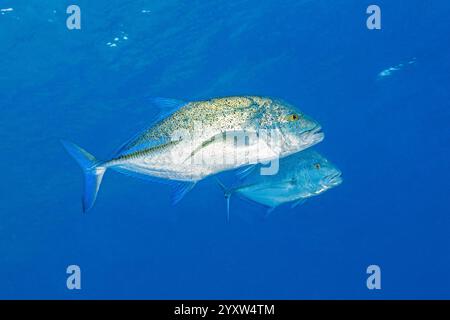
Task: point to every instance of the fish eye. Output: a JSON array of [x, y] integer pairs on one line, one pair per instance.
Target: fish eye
[[317, 166], [293, 117]]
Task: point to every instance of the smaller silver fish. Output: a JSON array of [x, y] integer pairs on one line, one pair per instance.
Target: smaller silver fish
[[302, 175]]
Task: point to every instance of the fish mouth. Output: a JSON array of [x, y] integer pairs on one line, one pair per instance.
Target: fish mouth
[[334, 179], [314, 135], [316, 129]]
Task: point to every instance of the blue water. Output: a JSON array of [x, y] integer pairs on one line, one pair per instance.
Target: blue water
[[390, 136]]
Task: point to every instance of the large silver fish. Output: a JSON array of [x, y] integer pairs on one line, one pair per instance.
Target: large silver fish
[[301, 176], [196, 139]]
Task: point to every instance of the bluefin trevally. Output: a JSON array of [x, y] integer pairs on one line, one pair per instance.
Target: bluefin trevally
[[192, 141], [300, 176]]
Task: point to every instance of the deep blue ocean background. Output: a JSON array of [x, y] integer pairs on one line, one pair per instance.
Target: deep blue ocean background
[[390, 136]]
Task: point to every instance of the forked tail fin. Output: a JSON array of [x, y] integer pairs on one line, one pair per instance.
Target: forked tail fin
[[227, 193], [93, 172]]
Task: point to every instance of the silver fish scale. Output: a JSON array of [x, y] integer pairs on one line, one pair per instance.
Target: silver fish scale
[[222, 114]]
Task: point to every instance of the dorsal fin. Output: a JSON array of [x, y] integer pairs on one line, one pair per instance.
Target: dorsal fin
[[167, 103], [165, 108]]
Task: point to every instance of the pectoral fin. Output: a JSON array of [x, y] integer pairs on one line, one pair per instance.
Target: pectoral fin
[[203, 145], [222, 137]]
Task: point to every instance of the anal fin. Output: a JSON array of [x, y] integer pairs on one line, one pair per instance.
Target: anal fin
[[180, 190], [298, 203]]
